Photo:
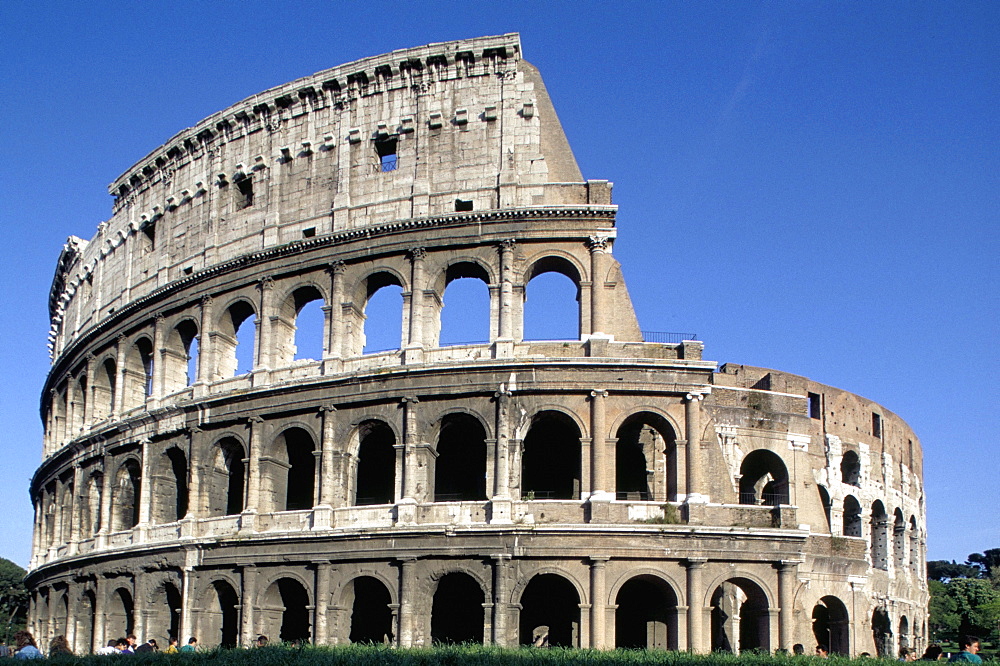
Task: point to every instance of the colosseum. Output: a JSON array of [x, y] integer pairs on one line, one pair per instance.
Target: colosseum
[[615, 489]]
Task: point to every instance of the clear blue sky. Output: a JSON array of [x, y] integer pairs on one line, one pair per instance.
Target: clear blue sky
[[809, 186]]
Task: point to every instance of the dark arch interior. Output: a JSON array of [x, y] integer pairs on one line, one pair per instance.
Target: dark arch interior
[[824, 498], [127, 496], [301, 483], [232, 458], [457, 610], [371, 617], [850, 469], [550, 601], [121, 617], [852, 517], [178, 468], [223, 616], [643, 441], [740, 621], [295, 616], [764, 479], [550, 464], [830, 625], [646, 617], [882, 633], [460, 468], [376, 475]]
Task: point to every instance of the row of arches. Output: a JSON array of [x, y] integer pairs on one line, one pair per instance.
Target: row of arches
[[315, 319], [901, 546], [645, 613]]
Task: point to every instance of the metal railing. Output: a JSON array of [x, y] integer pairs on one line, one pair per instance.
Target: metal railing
[[665, 337], [766, 499]]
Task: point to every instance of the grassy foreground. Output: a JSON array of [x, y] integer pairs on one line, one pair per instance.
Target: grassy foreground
[[462, 655]]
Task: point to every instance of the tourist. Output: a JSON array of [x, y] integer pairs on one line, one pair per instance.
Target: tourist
[[171, 646], [191, 646], [261, 641], [798, 649], [970, 646], [932, 653], [822, 651], [123, 647], [907, 654], [148, 646], [25, 647], [59, 646], [110, 648]]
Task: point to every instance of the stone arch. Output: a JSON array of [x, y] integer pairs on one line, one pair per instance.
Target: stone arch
[[457, 613], [120, 615], [827, 504], [740, 619], [285, 609], [103, 386], [65, 512], [763, 479], [79, 403], [904, 632], [84, 618], [355, 339], [460, 464], [137, 375], [288, 473], [370, 601], [163, 612], [90, 504], [125, 495], [899, 539], [181, 351], [239, 312], [287, 335], [550, 610], [852, 517], [914, 546], [831, 625], [373, 477], [477, 315], [227, 476], [170, 480], [218, 623], [59, 612], [645, 458], [850, 469], [551, 457], [882, 632], [646, 613], [879, 536], [552, 261]]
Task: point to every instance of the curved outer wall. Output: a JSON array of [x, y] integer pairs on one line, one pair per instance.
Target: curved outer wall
[[616, 491]]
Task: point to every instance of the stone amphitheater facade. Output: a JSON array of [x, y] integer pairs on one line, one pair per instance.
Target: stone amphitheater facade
[[616, 490]]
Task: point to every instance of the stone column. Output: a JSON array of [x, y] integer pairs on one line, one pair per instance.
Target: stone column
[[696, 604], [328, 482], [187, 604], [415, 339], [599, 486], [74, 509], [411, 439], [88, 398], [265, 324], [248, 594], [598, 604], [254, 444], [140, 607], [119, 387], [71, 407], [501, 568], [406, 601], [106, 490], [99, 639], [145, 482], [195, 473], [206, 358], [505, 313], [335, 314], [787, 571], [692, 414], [322, 601], [159, 354], [598, 246]]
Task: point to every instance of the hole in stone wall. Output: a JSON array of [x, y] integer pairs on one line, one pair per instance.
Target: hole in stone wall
[[462, 206]]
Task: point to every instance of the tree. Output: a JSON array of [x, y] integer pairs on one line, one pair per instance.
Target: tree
[[13, 598], [943, 619], [987, 561], [943, 570], [977, 603]]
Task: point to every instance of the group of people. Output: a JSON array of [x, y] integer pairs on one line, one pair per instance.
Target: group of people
[[128, 645], [970, 648]]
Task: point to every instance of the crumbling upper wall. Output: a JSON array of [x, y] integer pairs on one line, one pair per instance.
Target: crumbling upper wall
[[449, 127]]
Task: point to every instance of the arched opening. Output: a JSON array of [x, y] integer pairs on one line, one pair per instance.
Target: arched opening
[[79, 407], [460, 467], [301, 483], [225, 492], [827, 504], [646, 617], [220, 616], [376, 464], [552, 301], [831, 626], [180, 357], [904, 632], [899, 539], [104, 390], [646, 459], [236, 341], [550, 464], [84, 623], [740, 621], [125, 501], [880, 536], [550, 604], [380, 322], [59, 618], [763, 479], [170, 501], [90, 505], [163, 618], [371, 616], [457, 610], [852, 517], [138, 374], [285, 611], [850, 469], [119, 619], [914, 547], [465, 305], [65, 513], [298, 331], [882, 633]]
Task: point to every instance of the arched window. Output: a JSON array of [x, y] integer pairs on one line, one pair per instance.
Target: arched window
[[285, 611], [740, 621], [457, 610], [309, 327], [465, 306], [170, 501], [235, 344], [646, 615], [899, 539], [831, 626], [852, 517], [880, 536], [125, 501], [104, 390], [850, 469], [90, 505], [379, 325], [375, 476], [120, 618], [460, 467], [300, 482], [138, 374], [164, 613], [764, 479], [550, 612], [298, 332], [225, 490], [915, 558], [180, 358], [371, 616], [219, 625], [550, 464], [646, 459], [552, 301], [827, 504], [882, 632], [79, 407]]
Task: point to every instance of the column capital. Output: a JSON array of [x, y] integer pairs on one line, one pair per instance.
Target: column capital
[[599, 393], [324, 409], [417, 253], [336, 268], [695, 562], [256, 419], [266, 283], [158, 318], [599, 560], [598, 244], [697, 395], [206, 301], [411, 399], [507, 245]]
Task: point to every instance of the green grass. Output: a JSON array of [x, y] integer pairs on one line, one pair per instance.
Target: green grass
[[461, 655]]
